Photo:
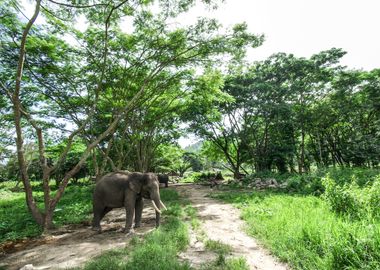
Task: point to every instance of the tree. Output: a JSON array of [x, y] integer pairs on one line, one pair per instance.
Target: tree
[[107, 75]]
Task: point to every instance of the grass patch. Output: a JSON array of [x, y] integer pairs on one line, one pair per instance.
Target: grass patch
[[218, 247], [304, 232], [17, 223], [223, 263]]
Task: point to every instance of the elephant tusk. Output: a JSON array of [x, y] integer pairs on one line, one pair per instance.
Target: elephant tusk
[[155, 207], [163, 205]]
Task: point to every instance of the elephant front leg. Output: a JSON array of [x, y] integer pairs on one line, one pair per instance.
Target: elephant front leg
[[158, 216], [130, 212], [138, 211]]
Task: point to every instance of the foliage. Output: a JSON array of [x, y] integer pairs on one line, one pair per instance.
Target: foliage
[[289, 113], [305, 233], [311, 183], [218, 247], [17, 222], [223, 263], [203, 177], [72, 158], [351, 200], [119, 93]]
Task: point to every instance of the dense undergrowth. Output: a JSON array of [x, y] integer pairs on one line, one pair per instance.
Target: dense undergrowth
[[312, 182]]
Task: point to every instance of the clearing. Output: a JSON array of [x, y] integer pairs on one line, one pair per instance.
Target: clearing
[[72, 246]]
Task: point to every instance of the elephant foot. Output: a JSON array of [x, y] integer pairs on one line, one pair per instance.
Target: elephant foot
[[96, 229], [127, 230], [137, 225]]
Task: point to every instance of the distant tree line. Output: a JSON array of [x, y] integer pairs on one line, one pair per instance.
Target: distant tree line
[[287, 114]]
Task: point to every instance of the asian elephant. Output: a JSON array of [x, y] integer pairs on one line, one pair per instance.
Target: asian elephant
[[163, 178], [121, 189]]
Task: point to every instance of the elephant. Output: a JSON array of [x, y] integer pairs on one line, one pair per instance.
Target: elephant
[[163, 178], [121, 189]]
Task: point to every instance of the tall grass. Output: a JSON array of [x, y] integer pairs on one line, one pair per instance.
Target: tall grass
[[304, 232], [16, 221]]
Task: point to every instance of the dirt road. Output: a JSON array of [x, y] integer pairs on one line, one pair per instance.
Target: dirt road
[[221, 222]]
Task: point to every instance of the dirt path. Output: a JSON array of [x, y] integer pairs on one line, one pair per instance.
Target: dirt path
[[72, 246], [221, 222]]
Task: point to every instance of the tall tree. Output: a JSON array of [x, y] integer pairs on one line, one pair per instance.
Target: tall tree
[[108, 73]]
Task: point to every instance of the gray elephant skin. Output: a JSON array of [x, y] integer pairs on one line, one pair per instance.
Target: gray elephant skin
[[120, 189]]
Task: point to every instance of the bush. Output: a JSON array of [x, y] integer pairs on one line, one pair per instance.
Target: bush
[[311, 183], [201, 177], [352, 200]]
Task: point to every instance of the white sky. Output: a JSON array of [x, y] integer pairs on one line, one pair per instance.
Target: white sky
[[303, 27], [306, 27]]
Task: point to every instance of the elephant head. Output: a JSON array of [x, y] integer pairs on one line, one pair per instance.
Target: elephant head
[[149, 188]]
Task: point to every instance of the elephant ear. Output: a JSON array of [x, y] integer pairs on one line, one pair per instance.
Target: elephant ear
[[137, 181], [135, 184]]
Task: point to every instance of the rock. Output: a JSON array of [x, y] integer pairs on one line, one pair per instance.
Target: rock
[[284, 185], [257, 180], [27, 267], [271, 181]]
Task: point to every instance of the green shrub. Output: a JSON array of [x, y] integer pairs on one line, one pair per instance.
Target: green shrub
[[200, 177], [311, 183], [352, 200]]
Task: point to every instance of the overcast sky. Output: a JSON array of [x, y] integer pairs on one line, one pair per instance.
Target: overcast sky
[[306, 27], [303, 27]]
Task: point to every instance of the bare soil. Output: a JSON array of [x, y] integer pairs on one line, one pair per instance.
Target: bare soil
[[72, 246], [221, 222]]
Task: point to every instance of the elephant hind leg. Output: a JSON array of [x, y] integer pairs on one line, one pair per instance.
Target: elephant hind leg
[[99, 212]]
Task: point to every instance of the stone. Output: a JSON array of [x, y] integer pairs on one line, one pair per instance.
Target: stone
[[27, 267]]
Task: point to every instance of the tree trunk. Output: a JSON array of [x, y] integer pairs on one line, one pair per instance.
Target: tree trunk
[[32, 206], [301, 163]]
